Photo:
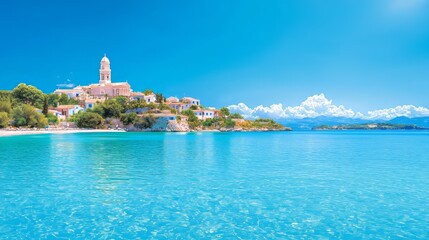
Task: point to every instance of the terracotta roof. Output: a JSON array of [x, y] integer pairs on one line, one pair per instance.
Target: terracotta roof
[[189, 98], [137, 94], [120, 83], [92, 100], [66, 106], [163, 114]]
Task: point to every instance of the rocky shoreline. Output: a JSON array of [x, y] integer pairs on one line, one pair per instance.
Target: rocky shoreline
[[26, 131]]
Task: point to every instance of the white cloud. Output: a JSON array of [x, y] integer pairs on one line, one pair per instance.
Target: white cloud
[[66, 85], [319, 105], [314, 106], [405, 110]]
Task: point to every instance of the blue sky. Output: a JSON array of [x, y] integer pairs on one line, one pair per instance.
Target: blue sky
[[365, 54]]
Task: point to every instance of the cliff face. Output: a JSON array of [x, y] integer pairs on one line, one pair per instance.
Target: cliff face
[[163, 125], [175, 126]]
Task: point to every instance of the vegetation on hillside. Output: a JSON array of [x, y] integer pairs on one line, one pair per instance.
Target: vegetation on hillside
[[19, 107], [25, 115], [88, 120], [4, 119]]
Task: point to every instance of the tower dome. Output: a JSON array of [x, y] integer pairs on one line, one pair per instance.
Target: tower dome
[[105, 72], [105, 59]]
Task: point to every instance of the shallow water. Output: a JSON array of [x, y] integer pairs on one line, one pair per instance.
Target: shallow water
[[305, 185]]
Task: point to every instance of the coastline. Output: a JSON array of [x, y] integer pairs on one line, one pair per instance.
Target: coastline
[[9, 133], [22, 132]]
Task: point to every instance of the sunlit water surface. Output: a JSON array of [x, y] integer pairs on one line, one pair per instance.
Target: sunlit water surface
[[304, 185]]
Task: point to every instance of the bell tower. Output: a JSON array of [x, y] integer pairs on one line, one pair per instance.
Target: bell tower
[[105, 72]]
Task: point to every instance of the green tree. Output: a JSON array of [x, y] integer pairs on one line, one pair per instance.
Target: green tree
[[111, 108], [159, 98], [45, 106], [5, 94], [65, 100], [122, 100], [192, 119], [54, 99], [5, 106], [236, 116], [27, 94], [164, 107], [229, 123], [145, 122], [147, 92], [89, 120], [224, 112], [4, 120], [52, 118], [211, 122], [151, 105], [26, 115], [191, 115], [136, 104], [129, 118], [193, 107]]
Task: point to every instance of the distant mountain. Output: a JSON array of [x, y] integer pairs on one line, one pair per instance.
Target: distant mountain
[[371, 126], [419, 121], [310, 123]]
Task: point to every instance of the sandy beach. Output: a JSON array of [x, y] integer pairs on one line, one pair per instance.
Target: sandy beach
[[6, 133]]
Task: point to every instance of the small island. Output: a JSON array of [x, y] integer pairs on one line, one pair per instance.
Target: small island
[[371, 126]]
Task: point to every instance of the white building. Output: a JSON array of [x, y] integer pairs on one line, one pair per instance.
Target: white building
[[175, 105], [75, 93], [151, 98], [190, 100], [137, 96], [187, 102], [172, 100], [57, 114], [68, 110], [206, 114], [91, 103]]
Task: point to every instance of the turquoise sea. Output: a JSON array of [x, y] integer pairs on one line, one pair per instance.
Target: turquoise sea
[[275, 185]]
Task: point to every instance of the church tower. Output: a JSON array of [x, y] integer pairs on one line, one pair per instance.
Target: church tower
[[105, 72]]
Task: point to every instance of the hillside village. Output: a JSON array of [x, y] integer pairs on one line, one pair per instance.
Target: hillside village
[[115, 105]]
